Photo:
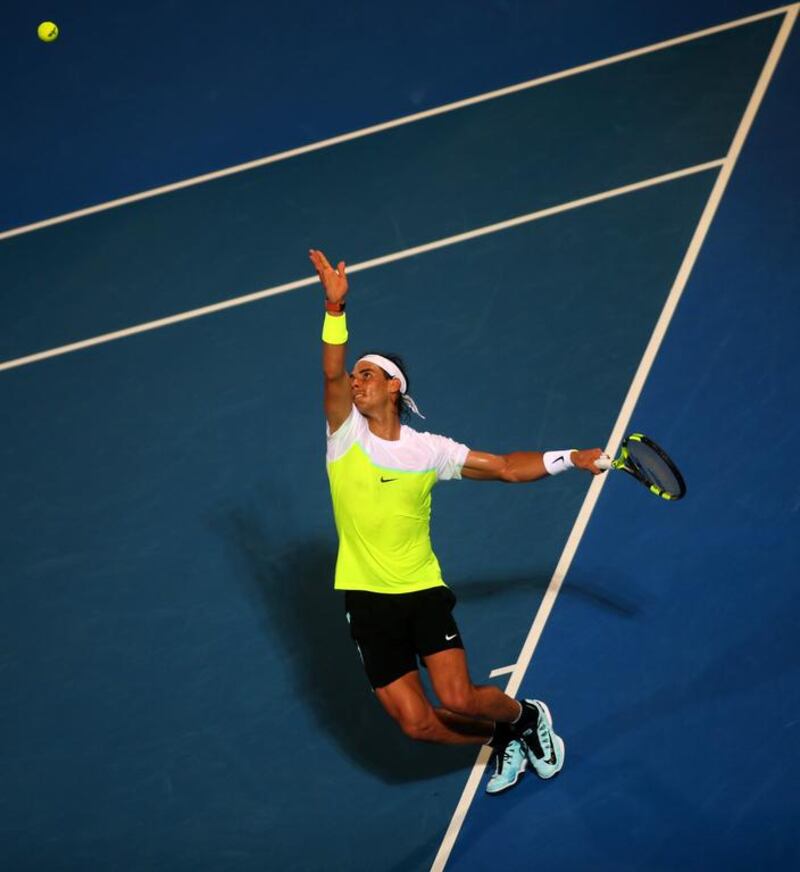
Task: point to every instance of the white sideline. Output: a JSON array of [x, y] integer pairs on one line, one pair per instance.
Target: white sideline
[[357, 267], [625, 413], [387, 125]]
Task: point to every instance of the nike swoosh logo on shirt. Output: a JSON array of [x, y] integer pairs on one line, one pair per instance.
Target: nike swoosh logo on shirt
[[450, 638], [384, 480]]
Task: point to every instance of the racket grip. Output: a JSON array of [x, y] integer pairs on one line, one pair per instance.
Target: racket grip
[[603, 462]]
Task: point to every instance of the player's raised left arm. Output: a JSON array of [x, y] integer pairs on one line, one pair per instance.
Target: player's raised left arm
[[520, 466]]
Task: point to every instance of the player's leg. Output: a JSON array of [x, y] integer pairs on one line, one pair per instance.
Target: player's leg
[[438, 641], [380, 628], [525, 721], [406, 702], [456, 692], [532, 726]]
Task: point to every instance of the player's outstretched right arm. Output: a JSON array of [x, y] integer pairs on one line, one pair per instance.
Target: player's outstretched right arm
[[520, 466], [338, 398]]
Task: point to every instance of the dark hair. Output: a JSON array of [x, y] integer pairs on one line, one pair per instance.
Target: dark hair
[[402, 409]]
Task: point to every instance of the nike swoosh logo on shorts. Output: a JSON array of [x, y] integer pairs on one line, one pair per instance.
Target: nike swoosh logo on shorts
[[450, 638]]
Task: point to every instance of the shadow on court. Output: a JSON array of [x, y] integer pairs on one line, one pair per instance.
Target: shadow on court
[[602, 588], [291, 584]]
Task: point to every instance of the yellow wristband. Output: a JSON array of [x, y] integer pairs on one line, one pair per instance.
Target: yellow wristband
[[334, 330]]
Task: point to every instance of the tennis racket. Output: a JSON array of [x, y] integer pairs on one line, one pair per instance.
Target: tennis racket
[[648, 463]]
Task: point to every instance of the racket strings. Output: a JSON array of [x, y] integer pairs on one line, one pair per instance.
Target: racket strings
[[651, 466]]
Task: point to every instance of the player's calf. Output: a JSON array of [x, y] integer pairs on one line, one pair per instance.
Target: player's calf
[[460, 699], [419, 729]]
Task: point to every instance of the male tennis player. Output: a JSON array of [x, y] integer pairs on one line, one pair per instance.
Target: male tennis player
[[381, 474]]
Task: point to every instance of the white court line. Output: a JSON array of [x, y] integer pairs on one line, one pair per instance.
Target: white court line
[[503, 670], [358, 267], [388, 125], [623, 419]]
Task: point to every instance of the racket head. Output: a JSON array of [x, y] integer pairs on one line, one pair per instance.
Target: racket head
[[647, 461]]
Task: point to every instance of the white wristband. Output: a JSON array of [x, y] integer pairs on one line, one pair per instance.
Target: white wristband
[[558, 461]]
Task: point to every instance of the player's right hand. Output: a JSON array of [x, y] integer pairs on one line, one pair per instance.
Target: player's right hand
[[333, 280], [586, 458]]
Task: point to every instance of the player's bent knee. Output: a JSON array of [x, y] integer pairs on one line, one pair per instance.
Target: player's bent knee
[[421, 730], [460, 700]]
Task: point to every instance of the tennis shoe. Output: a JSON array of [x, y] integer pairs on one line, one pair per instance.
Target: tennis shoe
[[551, 745], [510, 764]]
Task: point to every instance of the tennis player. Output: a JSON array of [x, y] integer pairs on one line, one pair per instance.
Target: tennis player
[[381, 473]]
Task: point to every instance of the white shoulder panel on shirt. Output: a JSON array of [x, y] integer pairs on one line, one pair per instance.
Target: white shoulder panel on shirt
[[412, 452]]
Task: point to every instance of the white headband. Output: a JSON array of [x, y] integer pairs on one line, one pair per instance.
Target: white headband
[[395, 372]]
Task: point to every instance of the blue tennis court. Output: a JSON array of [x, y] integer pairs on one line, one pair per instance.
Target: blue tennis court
[[586, 244]]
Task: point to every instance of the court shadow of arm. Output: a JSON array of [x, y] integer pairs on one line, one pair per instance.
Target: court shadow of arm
[[604, 588]]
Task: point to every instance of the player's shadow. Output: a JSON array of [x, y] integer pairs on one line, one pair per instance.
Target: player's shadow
[[601, 588], [291, 585]]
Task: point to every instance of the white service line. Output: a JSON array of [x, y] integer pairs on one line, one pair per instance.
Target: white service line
[[503, 670], [581, 522], [388, 125], [358, 267]]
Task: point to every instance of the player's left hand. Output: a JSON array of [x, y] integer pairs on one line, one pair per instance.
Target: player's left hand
[[585, 458], [334, 281]]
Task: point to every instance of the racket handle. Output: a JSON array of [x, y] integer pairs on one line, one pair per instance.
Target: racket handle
[[603, 462]]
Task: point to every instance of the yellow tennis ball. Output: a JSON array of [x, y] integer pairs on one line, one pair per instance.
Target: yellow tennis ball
[[47, 31]]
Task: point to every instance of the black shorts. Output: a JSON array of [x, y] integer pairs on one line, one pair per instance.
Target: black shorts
[[392, 629]]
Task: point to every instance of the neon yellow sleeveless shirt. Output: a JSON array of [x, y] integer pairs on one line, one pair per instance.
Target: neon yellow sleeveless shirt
[[381, 492]]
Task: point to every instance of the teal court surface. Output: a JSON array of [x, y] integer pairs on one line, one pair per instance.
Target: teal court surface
[[609, 246]]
